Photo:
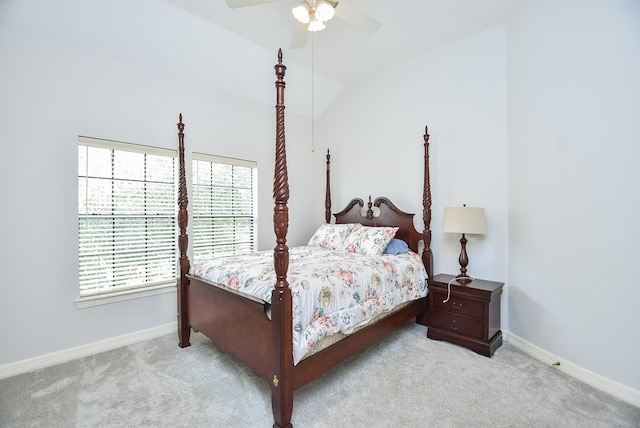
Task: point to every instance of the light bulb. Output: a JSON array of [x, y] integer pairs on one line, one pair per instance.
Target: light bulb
[[315, 24], [301, 12], [324, 11]]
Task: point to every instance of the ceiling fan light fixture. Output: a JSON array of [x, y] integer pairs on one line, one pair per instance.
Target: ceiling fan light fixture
[[324, 11], [315, 24], [302, 12]]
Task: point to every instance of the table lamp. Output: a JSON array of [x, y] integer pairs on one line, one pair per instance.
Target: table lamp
[[464, 220]]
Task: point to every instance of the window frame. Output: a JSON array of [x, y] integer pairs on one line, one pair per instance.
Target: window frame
[[100, 295], [195, 214]]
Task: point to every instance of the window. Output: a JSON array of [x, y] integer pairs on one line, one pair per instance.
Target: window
[[126, 217], [224, 193]]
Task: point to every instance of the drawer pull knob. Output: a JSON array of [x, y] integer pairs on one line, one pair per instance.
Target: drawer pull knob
[[454, 327], [456, 305]]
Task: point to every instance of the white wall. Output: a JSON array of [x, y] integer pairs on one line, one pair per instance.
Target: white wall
[[574, 142], [52, 91], [375, 133]]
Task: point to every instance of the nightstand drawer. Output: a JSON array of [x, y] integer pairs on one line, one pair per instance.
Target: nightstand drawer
[[458, 305], [457, 324]]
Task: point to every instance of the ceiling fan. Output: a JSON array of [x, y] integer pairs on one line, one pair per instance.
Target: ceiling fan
[[310, 15]]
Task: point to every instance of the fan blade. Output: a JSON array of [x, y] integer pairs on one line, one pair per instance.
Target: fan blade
[[357, 18], [299, 36], [234, 4]]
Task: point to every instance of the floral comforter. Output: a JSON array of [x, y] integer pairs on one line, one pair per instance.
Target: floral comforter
[[331, 291]]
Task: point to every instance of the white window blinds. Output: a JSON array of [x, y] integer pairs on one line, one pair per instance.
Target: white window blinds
[[224, 213], [126, 216]]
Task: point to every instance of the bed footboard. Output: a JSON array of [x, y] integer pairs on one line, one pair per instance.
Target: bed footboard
[[224, 316]]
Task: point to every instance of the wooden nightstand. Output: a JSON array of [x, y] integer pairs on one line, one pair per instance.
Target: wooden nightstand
[[471, 316]]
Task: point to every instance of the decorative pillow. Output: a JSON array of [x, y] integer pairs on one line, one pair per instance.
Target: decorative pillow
[[369, 240], [332, 236], [396, 246]]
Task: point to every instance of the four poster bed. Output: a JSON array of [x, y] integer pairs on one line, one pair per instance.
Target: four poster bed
[[261, 326]]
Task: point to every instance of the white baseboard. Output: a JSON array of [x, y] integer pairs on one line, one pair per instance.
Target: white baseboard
[[624, 393], [36, 363]]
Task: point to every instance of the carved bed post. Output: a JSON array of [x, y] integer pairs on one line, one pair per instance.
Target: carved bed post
[[327, 197], [281, 310], [184, 328], [427, 255]]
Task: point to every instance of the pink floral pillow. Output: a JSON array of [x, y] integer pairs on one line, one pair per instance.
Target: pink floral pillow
[[369, 240], [332, 236]]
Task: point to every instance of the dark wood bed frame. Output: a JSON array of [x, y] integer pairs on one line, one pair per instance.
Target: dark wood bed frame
[[266, 344]]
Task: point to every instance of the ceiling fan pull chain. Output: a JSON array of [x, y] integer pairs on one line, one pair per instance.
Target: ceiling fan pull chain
[[313, 116]]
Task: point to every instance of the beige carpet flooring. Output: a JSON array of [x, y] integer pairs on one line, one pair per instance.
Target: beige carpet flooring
[[405, 380]]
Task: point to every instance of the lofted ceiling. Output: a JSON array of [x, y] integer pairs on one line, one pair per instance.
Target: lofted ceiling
[[208, 42], [345, 54]]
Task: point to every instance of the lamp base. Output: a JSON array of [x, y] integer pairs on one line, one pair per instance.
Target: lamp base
[[463, 279]]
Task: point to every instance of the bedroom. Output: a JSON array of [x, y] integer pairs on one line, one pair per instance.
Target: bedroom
[[540, 132]]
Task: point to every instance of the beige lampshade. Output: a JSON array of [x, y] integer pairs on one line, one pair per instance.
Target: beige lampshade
[[464, 220]]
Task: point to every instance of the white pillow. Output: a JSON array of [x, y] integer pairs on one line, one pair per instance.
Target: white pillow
[[369, 240], [332, 236]]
